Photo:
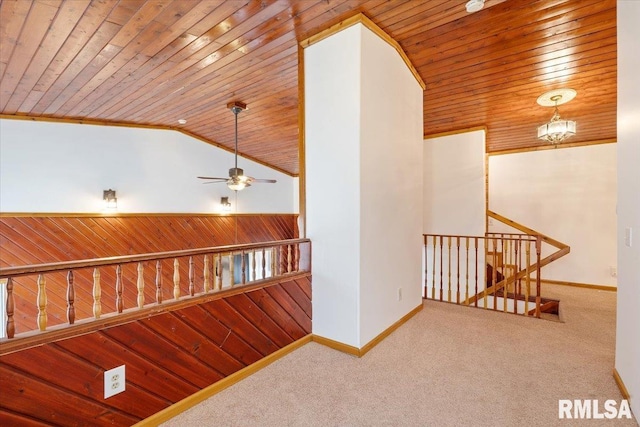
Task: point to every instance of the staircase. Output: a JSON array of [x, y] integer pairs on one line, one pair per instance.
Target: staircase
[[511, 264]]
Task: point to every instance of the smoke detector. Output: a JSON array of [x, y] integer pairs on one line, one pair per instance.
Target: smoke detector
[[474, 5]]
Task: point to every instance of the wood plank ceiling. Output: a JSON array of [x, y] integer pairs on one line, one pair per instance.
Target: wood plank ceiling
[[152, 62]]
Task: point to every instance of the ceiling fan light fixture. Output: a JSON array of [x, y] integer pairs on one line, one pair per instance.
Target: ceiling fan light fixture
[[237, 185], [474, 5], [237, 180]]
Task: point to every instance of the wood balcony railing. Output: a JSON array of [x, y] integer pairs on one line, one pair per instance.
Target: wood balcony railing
[[109, 290], [493, 272]]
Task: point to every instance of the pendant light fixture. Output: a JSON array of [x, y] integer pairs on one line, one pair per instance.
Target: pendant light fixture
[[557, 130]]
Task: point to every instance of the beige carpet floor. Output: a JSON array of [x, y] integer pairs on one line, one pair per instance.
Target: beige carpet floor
[[447, 366]]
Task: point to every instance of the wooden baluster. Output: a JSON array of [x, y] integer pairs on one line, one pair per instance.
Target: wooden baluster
[[520, 244], [192, 271], [253, 277], [433, 270], [232, 270], [505, 273], [206, 273], [140, 285], [538, 250], [516, 293], [289, 260], [176, 279], [218, 283], [192, 289], [458, 271], [11, 326], [42, 303], [494, 277], [243, 268], [264, 264], [274, 262], [527, 279], [119, 288], [441, 264], [466, 288], [296, 266], [71, 296], [97, 294], [426, 263], [475, 245], [159, 282], [449, 268]]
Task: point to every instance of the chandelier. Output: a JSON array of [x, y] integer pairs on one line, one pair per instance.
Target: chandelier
[[557, 130]]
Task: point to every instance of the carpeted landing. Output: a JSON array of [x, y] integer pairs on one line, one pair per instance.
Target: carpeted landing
[[447, 366]]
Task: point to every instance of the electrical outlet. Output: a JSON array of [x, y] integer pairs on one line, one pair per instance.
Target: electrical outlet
[[114, 381], [399, 294], [613, 271]]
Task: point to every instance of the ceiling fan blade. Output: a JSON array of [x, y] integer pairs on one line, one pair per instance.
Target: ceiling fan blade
[[266, 181], [213, 177]]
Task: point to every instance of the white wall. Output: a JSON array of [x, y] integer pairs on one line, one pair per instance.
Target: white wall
[[567, 194], [363, 128], [391, 187], [332, 130], [62, 167], [454, 184], [454, 204], [628, 315]]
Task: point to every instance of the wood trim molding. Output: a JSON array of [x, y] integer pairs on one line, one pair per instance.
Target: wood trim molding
[[553, 147], [359, 352], [120, 215], [381, 336], [194, 399], [336, 345], [621, 386], [581, 285], [142, 126], [486, 191], [360, 18], [455, 132], [302, 171]]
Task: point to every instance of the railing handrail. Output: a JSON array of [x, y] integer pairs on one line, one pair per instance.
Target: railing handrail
[[563, 249], [529, 237], [126, 259], [553, 242]]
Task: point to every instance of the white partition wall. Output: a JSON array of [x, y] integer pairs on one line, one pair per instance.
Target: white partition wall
[[64, 167], [455, 204], [628, 315], [454, 184], [569, 195], [363, 123]]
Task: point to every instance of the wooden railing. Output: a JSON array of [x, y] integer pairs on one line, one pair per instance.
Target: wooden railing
[[191, 273], [500, 266], [492, 272], [562, 248]]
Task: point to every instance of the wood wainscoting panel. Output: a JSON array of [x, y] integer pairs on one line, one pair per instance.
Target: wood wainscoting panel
[[167, 357], [37, 239]]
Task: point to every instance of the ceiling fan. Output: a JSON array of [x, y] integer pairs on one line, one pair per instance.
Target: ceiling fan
[[237, 180]]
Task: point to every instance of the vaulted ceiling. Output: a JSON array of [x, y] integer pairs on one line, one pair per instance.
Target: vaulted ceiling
[[153, 62]]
